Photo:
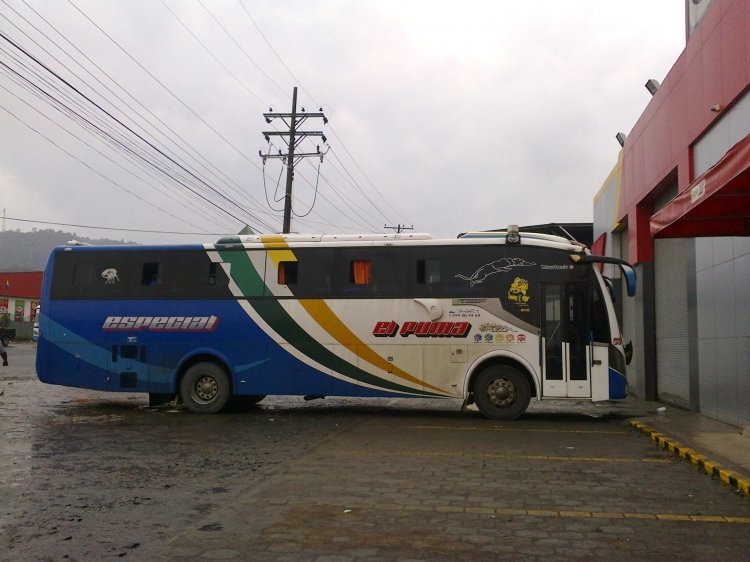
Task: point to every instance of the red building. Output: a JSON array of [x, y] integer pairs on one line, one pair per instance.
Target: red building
[[20, 294], [677, 205]]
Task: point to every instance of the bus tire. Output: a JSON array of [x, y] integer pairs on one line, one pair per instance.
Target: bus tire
[[501, 392], [205, 388]]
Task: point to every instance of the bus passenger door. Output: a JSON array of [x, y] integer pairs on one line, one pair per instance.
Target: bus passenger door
[[564, 347]]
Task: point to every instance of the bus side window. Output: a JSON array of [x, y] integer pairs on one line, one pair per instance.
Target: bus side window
[[360, 272], [83, 275], [150, 274], [428, 272], [288, 273]]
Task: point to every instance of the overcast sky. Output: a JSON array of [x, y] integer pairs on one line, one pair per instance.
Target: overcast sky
[[448, 116]]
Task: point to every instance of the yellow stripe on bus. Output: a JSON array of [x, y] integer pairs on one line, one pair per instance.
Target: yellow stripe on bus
[[327, 319]]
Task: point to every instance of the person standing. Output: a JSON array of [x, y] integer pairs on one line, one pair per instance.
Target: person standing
[[3, 354]]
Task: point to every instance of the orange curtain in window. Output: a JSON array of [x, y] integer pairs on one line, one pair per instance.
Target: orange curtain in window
[[282, 274], [362, 270]]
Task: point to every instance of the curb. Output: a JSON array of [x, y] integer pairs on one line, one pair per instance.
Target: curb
[[730, 478]]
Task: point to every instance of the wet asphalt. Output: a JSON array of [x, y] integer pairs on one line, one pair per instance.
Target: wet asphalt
[[90, 476]]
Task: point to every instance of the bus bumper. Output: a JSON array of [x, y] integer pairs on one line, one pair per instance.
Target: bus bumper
[[618, 385]]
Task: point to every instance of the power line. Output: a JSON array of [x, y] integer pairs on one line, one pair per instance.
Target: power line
[[200, 210], [116, 229], [184, 146], [213, 56], [119, 122], [175, 96], [166, 162], [241, 48], [84, 163], [278, 57], [130, 148]]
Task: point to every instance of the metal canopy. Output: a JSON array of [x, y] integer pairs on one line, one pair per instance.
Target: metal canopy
[[717, 203]]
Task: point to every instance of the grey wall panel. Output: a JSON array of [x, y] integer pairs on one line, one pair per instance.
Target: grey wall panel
[[742, 292], [704, 253], [723, 249], [707, 380], [741, 246], [727, 401], [706, 305], [724, 300], [743, 388], [723, 326], [672, 322]]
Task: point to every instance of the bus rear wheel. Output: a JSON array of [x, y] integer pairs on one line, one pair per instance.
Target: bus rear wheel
[[205, 388], [501, 392]]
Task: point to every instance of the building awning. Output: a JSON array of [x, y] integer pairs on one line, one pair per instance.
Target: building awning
[[717, 203]]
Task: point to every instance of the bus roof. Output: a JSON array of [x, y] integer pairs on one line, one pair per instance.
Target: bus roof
[[402, 239], [292, 238], [276, 241]]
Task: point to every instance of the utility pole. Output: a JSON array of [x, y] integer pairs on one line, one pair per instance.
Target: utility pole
[[399, 228], [293, 137]]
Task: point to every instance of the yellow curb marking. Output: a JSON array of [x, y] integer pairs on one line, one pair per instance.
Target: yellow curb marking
[[727, 477]]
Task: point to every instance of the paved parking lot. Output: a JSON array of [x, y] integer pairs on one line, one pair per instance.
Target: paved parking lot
[[87, 475]]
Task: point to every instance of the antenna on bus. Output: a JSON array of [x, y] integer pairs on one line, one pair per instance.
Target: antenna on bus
[[568, 234]]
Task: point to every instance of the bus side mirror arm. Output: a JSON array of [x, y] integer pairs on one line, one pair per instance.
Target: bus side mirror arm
[[627, 270]]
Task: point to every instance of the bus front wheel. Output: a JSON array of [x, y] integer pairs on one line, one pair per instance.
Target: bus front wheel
[[205, 388], [501, 392]]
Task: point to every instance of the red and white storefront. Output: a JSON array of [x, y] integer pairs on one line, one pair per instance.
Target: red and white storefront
[[677, 205]]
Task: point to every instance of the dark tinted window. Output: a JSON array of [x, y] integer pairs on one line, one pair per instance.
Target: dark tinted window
[[150, 274], [287, 273], [428, 272], [136, 274], [83, 275]]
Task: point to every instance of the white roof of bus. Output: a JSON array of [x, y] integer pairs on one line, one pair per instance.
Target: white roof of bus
[[421, 239]]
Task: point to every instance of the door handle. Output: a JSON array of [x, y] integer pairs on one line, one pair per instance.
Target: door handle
[[596, 362]]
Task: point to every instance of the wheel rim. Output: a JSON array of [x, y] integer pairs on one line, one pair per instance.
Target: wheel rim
[[501, 393], [205, 389]]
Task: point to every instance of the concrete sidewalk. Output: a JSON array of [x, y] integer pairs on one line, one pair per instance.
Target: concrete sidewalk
[[719, 449]]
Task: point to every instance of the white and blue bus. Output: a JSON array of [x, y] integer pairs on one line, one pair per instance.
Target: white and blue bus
[[494, 319]]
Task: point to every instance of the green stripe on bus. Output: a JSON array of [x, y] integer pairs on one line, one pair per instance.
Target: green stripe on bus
[[251, 284], [243, 273]]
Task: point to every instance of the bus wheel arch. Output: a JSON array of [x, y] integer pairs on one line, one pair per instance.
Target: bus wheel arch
[[501, 388], [204, 384]]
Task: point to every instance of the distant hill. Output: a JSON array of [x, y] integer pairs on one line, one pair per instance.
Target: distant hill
[[28, 251]]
